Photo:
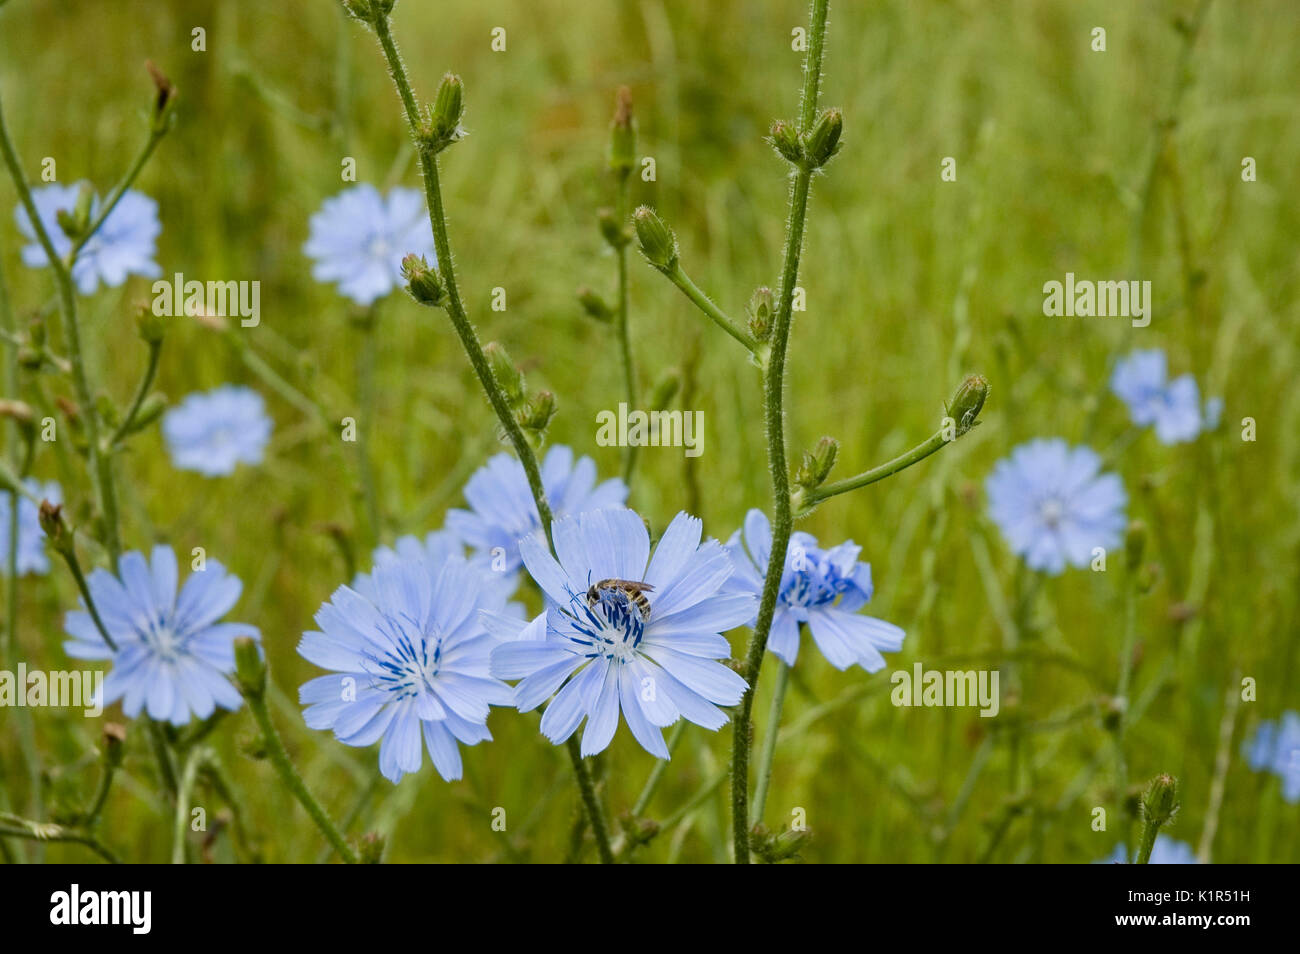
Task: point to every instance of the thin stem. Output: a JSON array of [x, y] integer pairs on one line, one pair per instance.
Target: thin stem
[[292, 780], [366, 398], [595, 815], [100, 467], [774, 415], [69, 555], [769, 744], [702, 301], [1222, 760], [146, 382], [155, 136], [101, 795], [624, 334], [188, 777], [657, 773], [163, 753], [920, 452], [11, 826]]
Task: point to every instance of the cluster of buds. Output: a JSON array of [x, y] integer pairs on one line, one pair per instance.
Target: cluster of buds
[[532, 412], [816, 464], [443, 127], [812, 149], [775, 847], [75, 221], [423, 283]]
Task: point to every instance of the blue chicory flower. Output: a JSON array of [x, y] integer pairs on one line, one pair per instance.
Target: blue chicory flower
[[1173, 407], [1275, 747], [359, 238], [502, 510], [409, 659], [437, 547], [824, 589], [32, 557], [172, 654], [1054, 506], [214, 431], [653, 658], [125, 243]]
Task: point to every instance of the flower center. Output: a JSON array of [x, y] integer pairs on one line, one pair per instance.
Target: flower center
[[411, 665], [612, 627], [162, 640], [1051, 511]]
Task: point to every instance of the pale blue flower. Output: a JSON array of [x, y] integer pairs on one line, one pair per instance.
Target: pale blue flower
[[1275, 747], [655, 662], [1054, 506], [1173, 407], [358, 239], [32, 557], [437, 547], [125, 244], [823, 589], [214, 431], [409, 660], [502, 510], [172, 654], [1165, 851]]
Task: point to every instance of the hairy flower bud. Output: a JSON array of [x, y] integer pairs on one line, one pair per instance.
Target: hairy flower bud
[[151, 327], [785, 140], [537, 413], [52, 523], [657, 242], [823, 142], [614, 232], [1135, 541], [622, 135], [506, 373], [114, 738], [967, 403], [761, 308], [423, 282], [1160, 800], [817, 463], [448, 107]]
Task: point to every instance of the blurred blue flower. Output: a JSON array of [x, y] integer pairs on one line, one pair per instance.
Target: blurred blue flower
[[1166, 851], [125, 244], [213, 431], [654, 660], [358, 239], [172, 653], [1275, 747], [437, 547], [1053, 505], [1174, 407], [822, 588], [32, 557], [502, 510], [408, 659]]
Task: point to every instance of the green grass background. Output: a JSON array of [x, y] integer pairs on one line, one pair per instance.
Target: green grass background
[[1122, 164]]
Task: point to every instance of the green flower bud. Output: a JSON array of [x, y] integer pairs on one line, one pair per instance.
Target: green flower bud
[[1135, 541], [967, 403], [614, 232], [665, 389], [622, 136], [423, 282], [150, 327], [817, 463], [250, 667], [448, 107], [823, 142], [761, 308], [505, 372], [166, 94], [114, 738], [54, 526], [785, 140], [595, 306], [657, 242], [537, 413], [75, 221], [1160, 800], [370, 848], [358, 10]]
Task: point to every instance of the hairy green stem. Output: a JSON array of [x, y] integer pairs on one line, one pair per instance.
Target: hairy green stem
[[491, 387], [142, 392], [292, 780], [12, 826], [917, 454], [624, 334], [189, 776], [702, 301], [774, 416]]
